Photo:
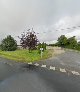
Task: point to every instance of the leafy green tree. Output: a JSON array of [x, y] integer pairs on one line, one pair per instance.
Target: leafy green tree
[[72, 42], [62, 41], [8, 44], [78, 46]]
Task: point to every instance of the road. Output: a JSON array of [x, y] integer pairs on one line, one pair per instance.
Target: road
[[20, 77], [70, 60]]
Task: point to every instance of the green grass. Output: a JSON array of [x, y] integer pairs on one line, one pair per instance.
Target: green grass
[[24, 55]]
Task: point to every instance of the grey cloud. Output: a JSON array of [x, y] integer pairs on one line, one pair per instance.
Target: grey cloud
[[43, 15]]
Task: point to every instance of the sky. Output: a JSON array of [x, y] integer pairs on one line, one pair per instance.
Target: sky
[[49, 18]]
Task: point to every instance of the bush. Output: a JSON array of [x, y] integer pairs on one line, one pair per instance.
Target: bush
[[43, 45], [8, 44], [77, 47], [39, 46]]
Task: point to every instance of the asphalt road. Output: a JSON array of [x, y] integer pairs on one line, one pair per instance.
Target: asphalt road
[[19, 77], [69, 60]]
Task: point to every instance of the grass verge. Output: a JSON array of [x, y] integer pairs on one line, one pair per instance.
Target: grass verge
[[25, 56]]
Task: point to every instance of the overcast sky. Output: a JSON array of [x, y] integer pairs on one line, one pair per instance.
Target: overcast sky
[[43, 15]]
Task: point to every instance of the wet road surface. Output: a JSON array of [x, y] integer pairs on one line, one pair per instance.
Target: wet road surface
[[69, 60], [19, 77]]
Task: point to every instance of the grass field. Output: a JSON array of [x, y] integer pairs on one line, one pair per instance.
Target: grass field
[[24, 55]]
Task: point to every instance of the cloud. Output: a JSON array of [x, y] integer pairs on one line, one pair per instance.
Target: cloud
[[43, 15], [74, 33], [68, 26]]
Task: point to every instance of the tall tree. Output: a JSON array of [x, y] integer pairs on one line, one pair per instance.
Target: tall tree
[[62, 41], [72, 42], [9, 44], [28, 39]]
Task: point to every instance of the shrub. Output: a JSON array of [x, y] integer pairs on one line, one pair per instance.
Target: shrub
[[43, 45]]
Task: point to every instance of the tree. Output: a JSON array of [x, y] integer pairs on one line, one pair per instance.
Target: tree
[[72, 42], [78, 46], [62, 41], [28, 39], [8, 44]]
